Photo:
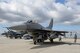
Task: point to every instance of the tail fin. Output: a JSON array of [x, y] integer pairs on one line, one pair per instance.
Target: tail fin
[[51, 24]]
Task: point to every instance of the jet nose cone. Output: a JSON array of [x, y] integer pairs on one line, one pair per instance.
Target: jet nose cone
[[19, 27]]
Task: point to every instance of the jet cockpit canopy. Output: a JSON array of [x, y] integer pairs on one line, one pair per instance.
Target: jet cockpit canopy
[[30, 21]]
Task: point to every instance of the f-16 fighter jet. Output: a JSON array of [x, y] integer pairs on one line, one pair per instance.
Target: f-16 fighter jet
[[39, 32]]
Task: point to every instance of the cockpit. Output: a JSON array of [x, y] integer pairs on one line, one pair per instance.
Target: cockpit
[[29, 21]]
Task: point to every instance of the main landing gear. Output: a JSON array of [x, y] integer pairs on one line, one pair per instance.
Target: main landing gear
[[40, 41]]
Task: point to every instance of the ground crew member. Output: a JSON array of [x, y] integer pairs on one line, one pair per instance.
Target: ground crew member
[[75, 38]]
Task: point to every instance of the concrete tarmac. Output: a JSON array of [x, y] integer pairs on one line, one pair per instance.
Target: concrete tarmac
[[26, 46]]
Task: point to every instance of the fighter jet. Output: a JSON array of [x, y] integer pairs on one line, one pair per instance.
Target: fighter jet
[[39, 32], [12, 34]]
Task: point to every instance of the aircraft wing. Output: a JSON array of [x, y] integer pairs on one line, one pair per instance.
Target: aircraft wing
[[49, 31]]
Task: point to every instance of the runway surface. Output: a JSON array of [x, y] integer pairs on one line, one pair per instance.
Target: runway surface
[[26, 46]]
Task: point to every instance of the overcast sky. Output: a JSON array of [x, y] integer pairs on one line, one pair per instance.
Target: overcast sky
[[66, 13]]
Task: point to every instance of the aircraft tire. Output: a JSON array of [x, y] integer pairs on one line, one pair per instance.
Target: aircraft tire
[[34, 42], [16, 37], [51, 40]]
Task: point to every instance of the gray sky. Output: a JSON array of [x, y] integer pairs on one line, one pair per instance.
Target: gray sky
[[18, 10]]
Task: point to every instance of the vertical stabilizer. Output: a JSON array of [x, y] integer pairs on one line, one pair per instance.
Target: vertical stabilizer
[[51, 24]]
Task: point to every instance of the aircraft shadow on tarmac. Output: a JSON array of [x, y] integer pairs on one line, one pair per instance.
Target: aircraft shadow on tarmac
[[48, 44]]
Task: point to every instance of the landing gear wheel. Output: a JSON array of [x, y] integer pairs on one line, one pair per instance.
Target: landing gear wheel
[[51, 40], [16, 37], [34, 42]]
